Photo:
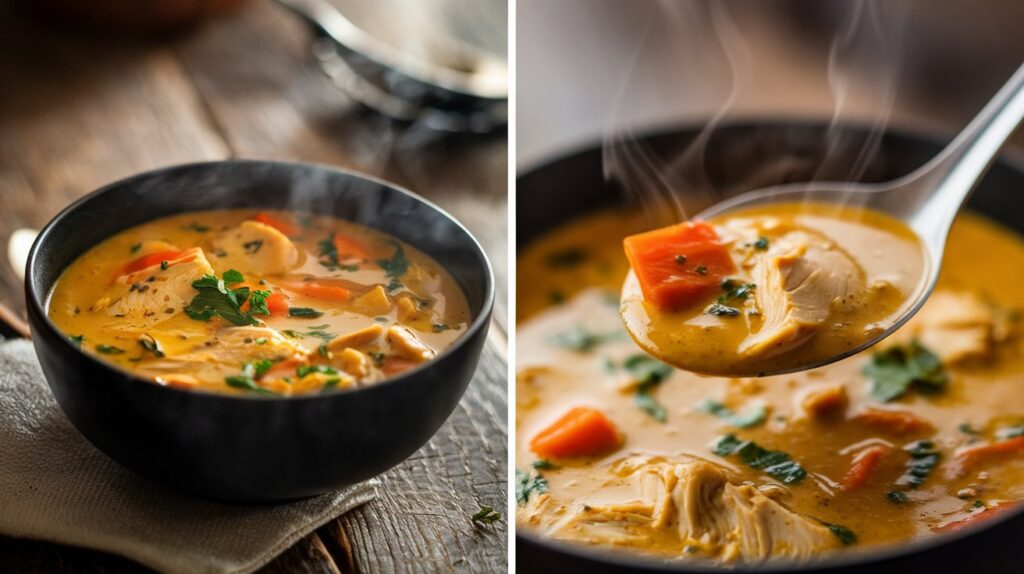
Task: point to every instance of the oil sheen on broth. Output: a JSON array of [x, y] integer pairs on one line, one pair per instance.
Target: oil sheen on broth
[[770, 289], [921, 435], [269, 302]]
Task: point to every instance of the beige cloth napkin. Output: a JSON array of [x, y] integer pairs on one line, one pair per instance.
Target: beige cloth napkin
[[54, 485]]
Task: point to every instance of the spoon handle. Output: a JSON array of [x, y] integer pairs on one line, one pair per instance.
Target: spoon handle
[[953, 174], [11, 326]]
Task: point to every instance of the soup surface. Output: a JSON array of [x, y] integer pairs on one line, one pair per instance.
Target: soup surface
[[921, 435], [771, 289], [258, 302]]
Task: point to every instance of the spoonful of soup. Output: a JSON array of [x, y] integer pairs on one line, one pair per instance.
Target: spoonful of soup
[[797, 276]]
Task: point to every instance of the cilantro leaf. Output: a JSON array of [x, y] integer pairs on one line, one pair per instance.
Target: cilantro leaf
[[528, 485], [774, 463], [751, 417], [486, 515], [650, 405], [109, 349], [894, 370], [720, 310], [395, 267], [216, 299], [304, 312], [304, 370]]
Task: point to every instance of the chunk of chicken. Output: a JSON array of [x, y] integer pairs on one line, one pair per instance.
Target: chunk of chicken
[[226, 352], [956, 326], [150, 296], [406, 344], [255, 247], [356, 339], [695, 498], [800, 281]]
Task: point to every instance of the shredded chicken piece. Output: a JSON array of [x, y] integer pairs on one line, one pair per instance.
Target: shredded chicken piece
[[353, 362], [356, 339], [255, 247], [799, 282], [405, 343], [373, 303], [153, 295], [956, 326], [696, 500]]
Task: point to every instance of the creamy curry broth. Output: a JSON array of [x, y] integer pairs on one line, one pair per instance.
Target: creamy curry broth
[[811, 281], [346, 305], [659, 490]]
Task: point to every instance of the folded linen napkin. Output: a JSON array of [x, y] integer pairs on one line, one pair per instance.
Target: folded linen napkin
[[54, 485]]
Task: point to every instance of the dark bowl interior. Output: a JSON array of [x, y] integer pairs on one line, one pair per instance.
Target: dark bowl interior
[[774, 153], [250, 449]]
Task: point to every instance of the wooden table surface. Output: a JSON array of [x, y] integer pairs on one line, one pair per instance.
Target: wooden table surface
[[78, 110]]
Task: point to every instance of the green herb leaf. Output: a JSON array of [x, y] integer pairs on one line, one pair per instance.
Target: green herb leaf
[[844, 534], [761, 244], [645, 370], [774, 463], [253, 246], [109, 349], [894, 370], [650, 405], [735, 290], [569, 257], [751, 417], [720, 310], [967, 429], [197, 227], [544, 464], [896, 497], [149, 343], [304, 312], [246, 383], [439, 327], [164, 265], [486, 515], [258, 302], [395, 267], [292, 334], [924, 457], [77, 339], [216, 299], [307, 369], [577, 339], [528, 485], [135, 248]]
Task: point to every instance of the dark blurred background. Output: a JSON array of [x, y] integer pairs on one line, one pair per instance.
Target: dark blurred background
[[593, 68]]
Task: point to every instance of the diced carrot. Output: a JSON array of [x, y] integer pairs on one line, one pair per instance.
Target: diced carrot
[[680, 264], [580, 432], [979, 517], [863, 467], [277, 303], [895, 422], [970, 456], [149, 260], [320, 290], [277, 223], [350, 248]]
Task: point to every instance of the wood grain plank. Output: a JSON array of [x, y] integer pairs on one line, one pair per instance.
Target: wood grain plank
[[307, 556]]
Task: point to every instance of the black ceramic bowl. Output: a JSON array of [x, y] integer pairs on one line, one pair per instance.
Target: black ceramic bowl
[[775, 153], [242, 448]]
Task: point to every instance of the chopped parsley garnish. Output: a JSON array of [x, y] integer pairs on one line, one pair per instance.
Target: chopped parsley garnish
[[253, 246], [528, 484], [395, 267], [761, 244], [924, 457], [749, 418], [109, 349], [720, 310], [647, 373], [330, 384], [197, 227], [967, 429], [250, 372], [486, 515], [304, 312], [135, 248], [894, 370], [544, 464], [149, 343], [307, 369], [569, 257], [164, 265], [217, 299], [439, 327], [292, 334], [77, 339], [896, 497], [774, 463], [258, 302], [844, 534], [735, 290], [579, 339], [261, 340], [701, 270]]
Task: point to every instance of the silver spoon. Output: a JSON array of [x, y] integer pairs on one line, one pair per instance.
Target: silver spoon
[[927, 200]]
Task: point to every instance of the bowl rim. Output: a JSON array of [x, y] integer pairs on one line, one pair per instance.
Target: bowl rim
[[39, 304], [617, 558]]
